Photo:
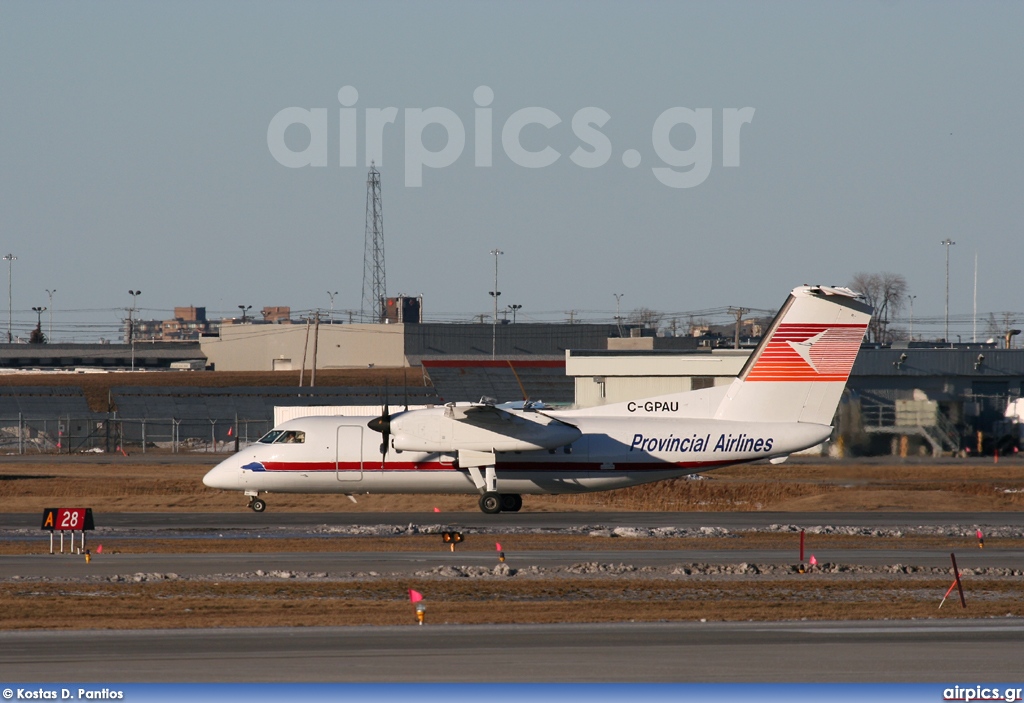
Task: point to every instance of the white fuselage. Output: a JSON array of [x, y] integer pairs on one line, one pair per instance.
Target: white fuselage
[[342, 455]]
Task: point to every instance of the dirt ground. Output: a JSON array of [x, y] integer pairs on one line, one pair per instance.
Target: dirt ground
[[114, 484], [385, 602]]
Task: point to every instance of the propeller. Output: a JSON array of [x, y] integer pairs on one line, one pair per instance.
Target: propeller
[[382, 424]]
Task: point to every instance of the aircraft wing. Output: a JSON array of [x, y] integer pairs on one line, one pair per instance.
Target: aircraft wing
[[484, 414], [480, 427]]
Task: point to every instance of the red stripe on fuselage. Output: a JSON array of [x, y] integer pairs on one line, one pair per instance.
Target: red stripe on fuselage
[[519, 466]]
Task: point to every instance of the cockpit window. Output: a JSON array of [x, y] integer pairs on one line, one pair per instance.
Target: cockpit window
[[283, 437]]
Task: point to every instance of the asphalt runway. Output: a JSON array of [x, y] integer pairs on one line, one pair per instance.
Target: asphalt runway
[[243, 519], [948, 651]]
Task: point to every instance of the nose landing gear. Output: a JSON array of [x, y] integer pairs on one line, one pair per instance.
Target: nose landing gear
[[256, 503]]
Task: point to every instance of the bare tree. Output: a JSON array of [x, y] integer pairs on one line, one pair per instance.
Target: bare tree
[[992, 327], [886, 293], [645, 317]]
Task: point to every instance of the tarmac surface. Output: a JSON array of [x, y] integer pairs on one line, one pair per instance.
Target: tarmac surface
[[955, 652], [248, 520]]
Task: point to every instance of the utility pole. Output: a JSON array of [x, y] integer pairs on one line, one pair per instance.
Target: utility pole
[[10, 259], [305, 347], [131, 322], [911, 298], [739, 313], [494, 294], [618, 317], [947, 242], [316, 341], [49, 334], [974, 317], [331, 296]]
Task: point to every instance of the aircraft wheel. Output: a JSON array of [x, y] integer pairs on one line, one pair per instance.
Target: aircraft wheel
[[511, 502], [490, 503], [258, 505]]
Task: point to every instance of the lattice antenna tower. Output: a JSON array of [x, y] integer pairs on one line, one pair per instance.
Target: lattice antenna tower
[[374, 280]]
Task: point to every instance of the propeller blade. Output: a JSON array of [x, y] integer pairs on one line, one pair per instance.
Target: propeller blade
[[405, 388], [382, 424]]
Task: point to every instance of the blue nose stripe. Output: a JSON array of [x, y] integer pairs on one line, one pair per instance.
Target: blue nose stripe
[[255, 466]]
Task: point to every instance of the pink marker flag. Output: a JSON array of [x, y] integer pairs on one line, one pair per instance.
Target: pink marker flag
[[813, 561], [415, 596], [497, 546], [99, 549], [437, 510], [979, 534]]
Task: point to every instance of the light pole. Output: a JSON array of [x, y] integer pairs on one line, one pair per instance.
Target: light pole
[[39, 321], [911, 298], [10, 259], [947, 242], [331, 296], [618, 318], [131, 322], [244, 309], [514, 308], [49, 334], [494, 294]]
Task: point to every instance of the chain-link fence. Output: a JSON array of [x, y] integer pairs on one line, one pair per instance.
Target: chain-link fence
[[99, 433]]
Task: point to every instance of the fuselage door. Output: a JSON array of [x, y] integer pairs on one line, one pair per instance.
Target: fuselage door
[[348, 453]]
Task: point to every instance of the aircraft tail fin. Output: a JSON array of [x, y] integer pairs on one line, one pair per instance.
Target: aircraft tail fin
[[799, 370]]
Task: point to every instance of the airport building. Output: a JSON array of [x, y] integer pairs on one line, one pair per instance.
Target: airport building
[[937, 396], [338, 346]]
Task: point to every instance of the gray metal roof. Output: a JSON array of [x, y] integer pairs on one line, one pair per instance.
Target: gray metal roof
[[463, 340], [504, 379], [997, 363], [250, 402], [146, 354], [42, 401]]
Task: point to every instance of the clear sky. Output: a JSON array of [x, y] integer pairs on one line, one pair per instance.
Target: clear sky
[[135, 152]]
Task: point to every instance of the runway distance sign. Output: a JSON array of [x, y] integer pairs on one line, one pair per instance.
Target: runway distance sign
[[74, 519]]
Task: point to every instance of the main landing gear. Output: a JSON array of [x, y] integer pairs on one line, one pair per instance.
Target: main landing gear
[[493, 503], [256, 503]]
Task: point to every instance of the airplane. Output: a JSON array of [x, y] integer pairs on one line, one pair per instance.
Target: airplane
[[783, 401]]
